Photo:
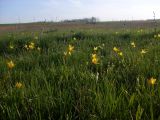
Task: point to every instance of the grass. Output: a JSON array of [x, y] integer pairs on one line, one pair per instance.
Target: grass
[[71, 87]]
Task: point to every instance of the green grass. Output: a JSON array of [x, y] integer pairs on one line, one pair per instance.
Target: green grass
[[61, 87]]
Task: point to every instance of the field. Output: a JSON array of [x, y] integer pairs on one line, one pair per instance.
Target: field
[[80, 72]]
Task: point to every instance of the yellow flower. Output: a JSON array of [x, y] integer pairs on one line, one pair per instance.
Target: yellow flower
[[158, 35], [152, 81], [94, 56], [10, 64], [18, 85], [116, 49], [120, 53], [70, 48], [133, 44], [143, 51], [95, 60], [31, 45], [69, 51], [95, 48], [11, 46]]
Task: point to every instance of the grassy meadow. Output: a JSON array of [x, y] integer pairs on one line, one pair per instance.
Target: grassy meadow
[[85, 74]]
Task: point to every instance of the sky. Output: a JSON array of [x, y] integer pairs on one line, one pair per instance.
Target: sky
[[22, 11]]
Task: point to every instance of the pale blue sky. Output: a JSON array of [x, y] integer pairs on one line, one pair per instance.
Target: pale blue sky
[[13, 11]]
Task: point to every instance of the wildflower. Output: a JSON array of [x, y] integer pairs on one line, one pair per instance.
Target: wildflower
[[10, 64], [18, 85], [11, 46], [116, 49], [133, 44], [69, 51], [95, 48], [120, 53], [152, 81], [143, 51], [94, 55], [95, 60], [31, 45], [70, 48]]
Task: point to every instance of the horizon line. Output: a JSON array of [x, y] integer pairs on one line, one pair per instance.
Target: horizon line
[[71, 21]]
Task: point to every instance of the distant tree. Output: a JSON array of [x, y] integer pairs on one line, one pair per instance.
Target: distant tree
[[93, 20]]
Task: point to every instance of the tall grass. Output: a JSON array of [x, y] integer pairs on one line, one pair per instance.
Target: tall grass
[[71, 87]]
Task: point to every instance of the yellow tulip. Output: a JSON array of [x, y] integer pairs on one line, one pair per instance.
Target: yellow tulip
[[133, 44], [95, 60], [152, 81], [70, 48], [120, 53], [116, 49], [10, 64], [143, 51], [95, 48], [18, 85]]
